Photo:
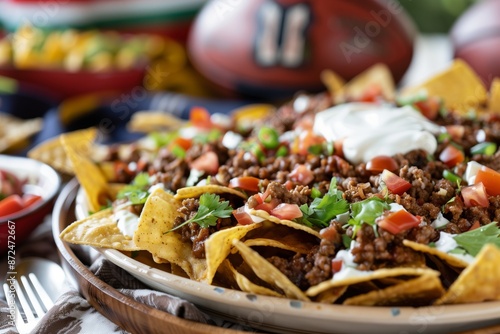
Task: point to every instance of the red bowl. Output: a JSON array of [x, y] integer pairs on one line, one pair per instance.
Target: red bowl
[[43, 180], [60, 84]]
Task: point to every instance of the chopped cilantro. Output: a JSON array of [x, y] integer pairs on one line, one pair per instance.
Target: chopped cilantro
[[209, 211], [137, 191], [346, 241], [162, 139], [473, 241], [366, 211], [323, 209]]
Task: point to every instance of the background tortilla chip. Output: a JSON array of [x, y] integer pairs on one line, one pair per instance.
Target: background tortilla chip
[[197, 191], [14, 131], [98, 230], [459, 86], [479, 281], [494, 96], [269, 273], [376, 75], [157, 218], [422, 290]]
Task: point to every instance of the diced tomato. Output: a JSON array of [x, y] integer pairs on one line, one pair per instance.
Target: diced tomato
[[242, 217], [398, 221], [381, 162], [451, 156], [476, 225], [184, 143], [10, 205], [394, 183], [429, 107], [30, 199], [330, 233], [200, 117], [338, 148], [491, 180], [336, 265], [289, 185], [301, 174], [304, 141], [475, 195], [371, 93], [268, 206], [455, 131], [248, 183], [286, 211], [208, 162]]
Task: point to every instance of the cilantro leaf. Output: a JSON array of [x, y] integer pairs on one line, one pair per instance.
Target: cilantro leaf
[[473, 241], [209, 211], [366, 211], [137, 191], [323, 209]]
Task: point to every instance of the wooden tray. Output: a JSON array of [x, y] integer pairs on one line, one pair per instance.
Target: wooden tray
[[122, 310]]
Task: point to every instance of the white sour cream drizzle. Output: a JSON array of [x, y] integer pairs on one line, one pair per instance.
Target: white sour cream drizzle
[[447, 243], [369, 130], [348, 269], [127, 222]]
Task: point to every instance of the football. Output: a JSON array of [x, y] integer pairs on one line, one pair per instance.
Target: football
[[475, 38], [273, 48]]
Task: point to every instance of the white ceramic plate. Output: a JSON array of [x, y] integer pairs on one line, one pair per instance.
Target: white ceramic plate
[[291, 316]]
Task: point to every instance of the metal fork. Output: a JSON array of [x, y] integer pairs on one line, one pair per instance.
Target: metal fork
[[32, 299]]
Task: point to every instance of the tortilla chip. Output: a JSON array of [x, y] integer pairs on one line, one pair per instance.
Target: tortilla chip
[[219, 244], [89, 175], [150, 121], [332, 81], [15, 131], [377, 75], [98, 230], [283, 237], [422, 290], [244, 283], [479, 281], [269, 273], [448, 258], [52, 151], [330, 296], [494, 96], [264, 215], [197, 191], [157, 218], [369, 276], [459, 86]]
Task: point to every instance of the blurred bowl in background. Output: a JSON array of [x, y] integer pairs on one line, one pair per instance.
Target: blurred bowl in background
[[43, 181]]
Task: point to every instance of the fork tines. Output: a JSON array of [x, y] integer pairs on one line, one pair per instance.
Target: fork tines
[[32, 300]]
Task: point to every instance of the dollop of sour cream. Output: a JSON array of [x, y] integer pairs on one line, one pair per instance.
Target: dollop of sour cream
[[369, 130], [127, 222]]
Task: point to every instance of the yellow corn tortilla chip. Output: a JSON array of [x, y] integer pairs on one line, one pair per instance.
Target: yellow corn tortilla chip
[[219, 244], [244, 283], [369, 276], [98, 230], [15, 131], [157, 218], [422, 290], [378, 74], [479, 281], [269, 273], [459, 86], [149, 121], [52, 151], [333, 82], [494, 96], [448, 258], [283, 237], [89, 175], [197, 191], [330, 296], [264, 215]]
